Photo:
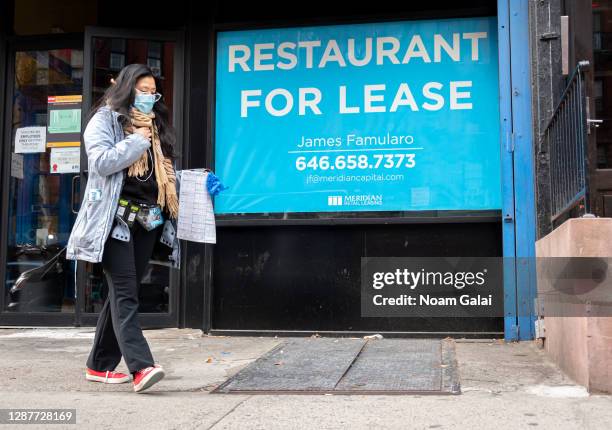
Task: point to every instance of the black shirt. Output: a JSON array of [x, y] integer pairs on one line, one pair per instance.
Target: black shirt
[[142, 189]]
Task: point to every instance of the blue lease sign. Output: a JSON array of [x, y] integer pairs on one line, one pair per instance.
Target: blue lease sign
[[394, 116]]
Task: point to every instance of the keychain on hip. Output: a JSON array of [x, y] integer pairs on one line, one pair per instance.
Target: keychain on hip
[[121, 209], [132, 215]]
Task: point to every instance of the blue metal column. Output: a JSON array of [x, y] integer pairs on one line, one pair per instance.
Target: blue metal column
[[507, 171], [518, 176], [524, 166]]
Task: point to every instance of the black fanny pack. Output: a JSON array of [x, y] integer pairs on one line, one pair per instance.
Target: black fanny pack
[[148, 216]]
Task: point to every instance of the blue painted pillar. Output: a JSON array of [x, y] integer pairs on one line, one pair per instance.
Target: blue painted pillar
[[518, 169], [524, 167], [507, 171]]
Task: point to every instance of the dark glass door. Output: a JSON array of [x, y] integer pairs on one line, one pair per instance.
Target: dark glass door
[[41, 179], [107, 51], [52, 83]]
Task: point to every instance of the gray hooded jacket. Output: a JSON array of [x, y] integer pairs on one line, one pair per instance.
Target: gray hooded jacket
[[109, 152]]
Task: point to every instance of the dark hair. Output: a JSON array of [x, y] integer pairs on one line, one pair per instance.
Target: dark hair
[[120, 96]]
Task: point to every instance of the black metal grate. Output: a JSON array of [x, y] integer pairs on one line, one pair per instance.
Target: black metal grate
[[351, 366]]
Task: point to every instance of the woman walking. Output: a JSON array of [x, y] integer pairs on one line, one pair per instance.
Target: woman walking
[[130, 193]]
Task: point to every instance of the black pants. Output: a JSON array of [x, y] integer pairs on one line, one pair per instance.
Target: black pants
[[118, 330]]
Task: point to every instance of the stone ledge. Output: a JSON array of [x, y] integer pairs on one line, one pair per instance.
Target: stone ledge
[[581, 346]]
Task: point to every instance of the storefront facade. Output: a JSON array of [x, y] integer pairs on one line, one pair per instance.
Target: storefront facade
[[285, 261]]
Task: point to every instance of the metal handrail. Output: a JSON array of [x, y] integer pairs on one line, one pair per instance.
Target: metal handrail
[[566, 136]]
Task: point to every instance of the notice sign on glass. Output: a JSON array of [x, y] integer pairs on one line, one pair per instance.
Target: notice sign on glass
[[64, 121], [389, 116], [30, 140], [65, 160]]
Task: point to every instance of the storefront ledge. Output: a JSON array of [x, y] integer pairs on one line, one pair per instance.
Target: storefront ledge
[[580, 345], [357, 334]]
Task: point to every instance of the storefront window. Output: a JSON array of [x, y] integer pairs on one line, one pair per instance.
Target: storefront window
[[112, 54], [347, 131], [602, 84], [43, 179]]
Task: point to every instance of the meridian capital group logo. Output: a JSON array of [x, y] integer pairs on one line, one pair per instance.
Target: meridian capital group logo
[[334, 200], [356, 200]]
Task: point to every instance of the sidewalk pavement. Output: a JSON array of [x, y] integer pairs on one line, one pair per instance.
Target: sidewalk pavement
[[504, 386]]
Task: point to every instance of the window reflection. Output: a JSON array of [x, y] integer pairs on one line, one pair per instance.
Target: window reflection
[[110, 56], [40, 202], [602, 84]]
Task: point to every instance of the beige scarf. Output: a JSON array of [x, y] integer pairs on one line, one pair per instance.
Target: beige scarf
[[164, 171]]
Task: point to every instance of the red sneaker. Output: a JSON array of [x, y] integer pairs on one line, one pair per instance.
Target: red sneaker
[[147, 377], [106, 377]]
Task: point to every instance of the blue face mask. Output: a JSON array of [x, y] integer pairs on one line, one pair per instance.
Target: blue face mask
[[144, 102]]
